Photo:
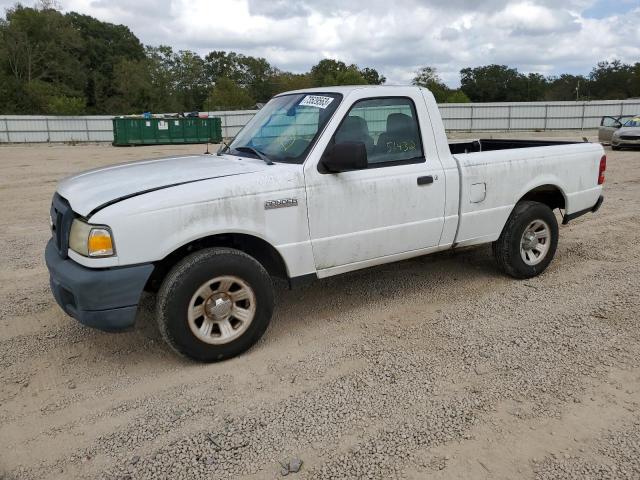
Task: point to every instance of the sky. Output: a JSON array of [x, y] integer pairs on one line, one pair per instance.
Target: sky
[[394, 36]]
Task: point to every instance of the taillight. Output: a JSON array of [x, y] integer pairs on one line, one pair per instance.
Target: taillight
[[601, 170]]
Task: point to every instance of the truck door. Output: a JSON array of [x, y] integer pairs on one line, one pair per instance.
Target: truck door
[[395, 205]]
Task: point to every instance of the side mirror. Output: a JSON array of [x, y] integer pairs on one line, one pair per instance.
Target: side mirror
[[344, 157], [617, 125]]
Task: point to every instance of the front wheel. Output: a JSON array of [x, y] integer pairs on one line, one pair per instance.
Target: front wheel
[[215, 304], [528, 241]]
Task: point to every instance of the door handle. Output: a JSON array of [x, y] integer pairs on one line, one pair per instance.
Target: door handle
[[425, 180]]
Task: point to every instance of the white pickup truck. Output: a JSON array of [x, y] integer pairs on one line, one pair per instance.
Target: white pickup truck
[[320, 182]]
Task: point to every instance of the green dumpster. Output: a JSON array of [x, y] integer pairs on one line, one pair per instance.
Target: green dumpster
[[166, 131]]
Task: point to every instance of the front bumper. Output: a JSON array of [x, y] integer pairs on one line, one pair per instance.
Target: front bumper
[[625, 142], [105, 298]]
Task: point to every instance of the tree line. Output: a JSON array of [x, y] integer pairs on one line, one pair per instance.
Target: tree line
[[608, 80], [67, 64], [55, 63]]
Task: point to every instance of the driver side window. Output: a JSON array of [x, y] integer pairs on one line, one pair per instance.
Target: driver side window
[[387, 127]]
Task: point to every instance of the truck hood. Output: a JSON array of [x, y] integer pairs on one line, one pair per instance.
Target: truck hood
[[93, 190]]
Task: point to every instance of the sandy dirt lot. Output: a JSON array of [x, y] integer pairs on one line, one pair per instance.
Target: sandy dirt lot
[[438, 367]]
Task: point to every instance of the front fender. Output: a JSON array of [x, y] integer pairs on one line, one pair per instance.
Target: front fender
[[143, 233]]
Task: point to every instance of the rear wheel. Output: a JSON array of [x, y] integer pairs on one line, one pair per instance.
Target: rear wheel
[[215, 304], [528, 241]]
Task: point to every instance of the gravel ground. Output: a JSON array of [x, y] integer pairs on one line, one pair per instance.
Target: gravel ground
[[437, 367]]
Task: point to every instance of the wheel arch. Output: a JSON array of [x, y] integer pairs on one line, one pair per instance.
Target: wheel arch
[[258, 248], [549, 194]]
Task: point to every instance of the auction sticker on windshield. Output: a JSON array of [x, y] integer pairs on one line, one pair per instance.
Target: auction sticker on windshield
[[316, 101]]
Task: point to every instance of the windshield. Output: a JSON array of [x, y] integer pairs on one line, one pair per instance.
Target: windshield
[[285, 128], [634, 122]]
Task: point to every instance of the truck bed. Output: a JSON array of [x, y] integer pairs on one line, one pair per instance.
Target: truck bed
[[489, 144], [500, 172]]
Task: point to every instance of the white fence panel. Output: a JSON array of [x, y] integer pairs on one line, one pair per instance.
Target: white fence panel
[[4, 132], [523, 123], [456, 116], [232, 121], [40, 128], [458, 124], [456, 110]]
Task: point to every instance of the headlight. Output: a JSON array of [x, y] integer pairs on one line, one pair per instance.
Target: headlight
[[90, 240]]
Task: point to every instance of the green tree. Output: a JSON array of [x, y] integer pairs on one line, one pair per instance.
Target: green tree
[[192, 84], [351, 76], [324, 73], [457, 96], [564, 87], [134, 88], [228, 95], [104, 45], [428, 77], [74, 63], [222, 64], [492, 83], [253, 73], [12, 96], [611, 80], [536, 86], [161, 62], [63, 105], [31, 39], [330, 72], [286, 81], [257, 76], [40, 46], [372, 76]]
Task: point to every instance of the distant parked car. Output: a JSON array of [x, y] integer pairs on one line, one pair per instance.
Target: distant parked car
[[628, 135], [608, 125]]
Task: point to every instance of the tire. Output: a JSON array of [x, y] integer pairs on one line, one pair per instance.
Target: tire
[[524, 229], [615, 147], [215, 304]]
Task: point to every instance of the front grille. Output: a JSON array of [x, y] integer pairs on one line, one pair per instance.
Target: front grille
[[629, 137], [61, 220]]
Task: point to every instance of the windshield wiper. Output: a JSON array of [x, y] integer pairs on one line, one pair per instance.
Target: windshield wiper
[[258, 153], [223, 148]]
